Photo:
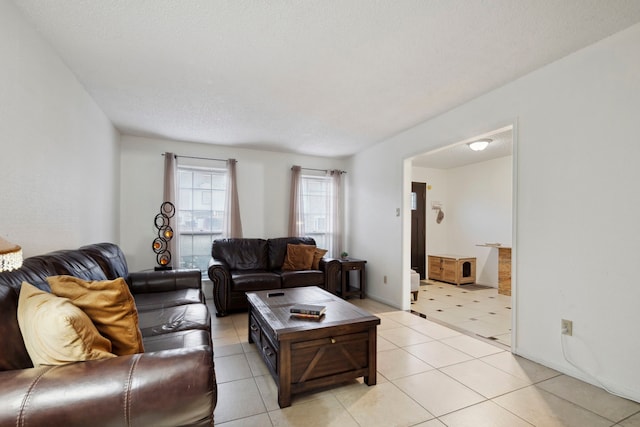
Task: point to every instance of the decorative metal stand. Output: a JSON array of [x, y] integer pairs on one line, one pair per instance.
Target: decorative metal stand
[[165, 234]]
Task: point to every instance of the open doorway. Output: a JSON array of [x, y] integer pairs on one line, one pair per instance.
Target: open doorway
[[418, 228], [469, 219]]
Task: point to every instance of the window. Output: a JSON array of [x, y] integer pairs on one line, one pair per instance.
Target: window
[[317, 193], [316, 208], [200, 217]]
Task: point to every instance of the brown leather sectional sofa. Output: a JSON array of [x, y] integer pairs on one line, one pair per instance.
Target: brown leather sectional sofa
[[242, 265], [172, 383]]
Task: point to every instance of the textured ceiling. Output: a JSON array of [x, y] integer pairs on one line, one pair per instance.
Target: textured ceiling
[[325, 77]]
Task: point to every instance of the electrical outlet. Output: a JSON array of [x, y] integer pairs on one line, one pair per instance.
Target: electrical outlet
[[385, 280], [566, 327]]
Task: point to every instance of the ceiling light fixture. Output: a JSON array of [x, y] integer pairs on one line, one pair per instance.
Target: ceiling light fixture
[[480, 144]]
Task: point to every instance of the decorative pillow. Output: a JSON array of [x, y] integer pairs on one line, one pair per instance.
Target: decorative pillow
[[55, 331], [299, 257], [110, 306], [317, 256]]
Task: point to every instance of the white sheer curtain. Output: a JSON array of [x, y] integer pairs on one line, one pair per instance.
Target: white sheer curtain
[[232, 222], [169, 195], [335, 213], [296, 214]]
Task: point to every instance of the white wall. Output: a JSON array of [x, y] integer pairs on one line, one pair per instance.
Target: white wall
[[576, 233], [264, 180], [59, 155], [477, 204], [480, 212]]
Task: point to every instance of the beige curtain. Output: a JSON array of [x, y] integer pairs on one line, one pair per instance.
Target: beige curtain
[[169, 195], [232, 222], [296, 214], [335, 216]]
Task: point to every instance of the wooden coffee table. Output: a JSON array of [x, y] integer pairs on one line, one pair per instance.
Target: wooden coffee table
[[305, 354]]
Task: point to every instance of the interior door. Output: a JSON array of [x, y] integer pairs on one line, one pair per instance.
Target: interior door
[[418, 227]]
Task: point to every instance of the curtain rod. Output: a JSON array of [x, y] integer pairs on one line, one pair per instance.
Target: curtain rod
[[199, 158], [319, 170]]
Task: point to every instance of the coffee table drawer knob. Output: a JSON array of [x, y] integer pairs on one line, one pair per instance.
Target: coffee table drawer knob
[[333, 340], [267, 351]]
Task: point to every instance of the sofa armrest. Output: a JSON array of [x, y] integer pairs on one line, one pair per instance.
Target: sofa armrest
[[220, 276], [164, 281], [331, 269], [173, 387]]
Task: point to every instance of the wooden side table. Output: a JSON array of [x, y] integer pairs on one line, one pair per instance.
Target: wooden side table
[[347, 265]]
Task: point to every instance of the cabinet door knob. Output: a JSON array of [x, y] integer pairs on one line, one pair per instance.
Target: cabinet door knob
[[333, 340]]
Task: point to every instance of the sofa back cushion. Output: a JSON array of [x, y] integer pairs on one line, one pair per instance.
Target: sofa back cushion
[[278, 249], [110, 258], [76, 263], [13, 353], [241, 254]]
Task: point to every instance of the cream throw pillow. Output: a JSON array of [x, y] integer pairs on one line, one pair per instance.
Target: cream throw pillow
[[110, 306], [55, 331]]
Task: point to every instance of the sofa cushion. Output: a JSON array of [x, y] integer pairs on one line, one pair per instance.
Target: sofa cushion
[[174, 340], [155, 300], [254, 280], [299, 257], [168, 281], [55, 331], [173, 319], [278, 249], [292, 279], [110, 306], [241, 254]]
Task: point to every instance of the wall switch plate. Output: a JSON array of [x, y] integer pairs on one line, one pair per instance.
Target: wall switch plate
[[566, 327]]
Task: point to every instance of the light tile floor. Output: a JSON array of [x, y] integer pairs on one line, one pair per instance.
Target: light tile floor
[[477, 310], [429, 375]]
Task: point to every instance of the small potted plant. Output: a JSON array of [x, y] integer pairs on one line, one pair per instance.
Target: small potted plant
[[344, 255]]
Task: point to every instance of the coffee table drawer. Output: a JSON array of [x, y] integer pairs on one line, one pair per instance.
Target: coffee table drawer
[[329, 356], [269, 353], [263, 342], [254, 330]]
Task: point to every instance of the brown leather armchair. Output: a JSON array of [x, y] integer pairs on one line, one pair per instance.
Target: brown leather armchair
[[238, 266], [171, 383]]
